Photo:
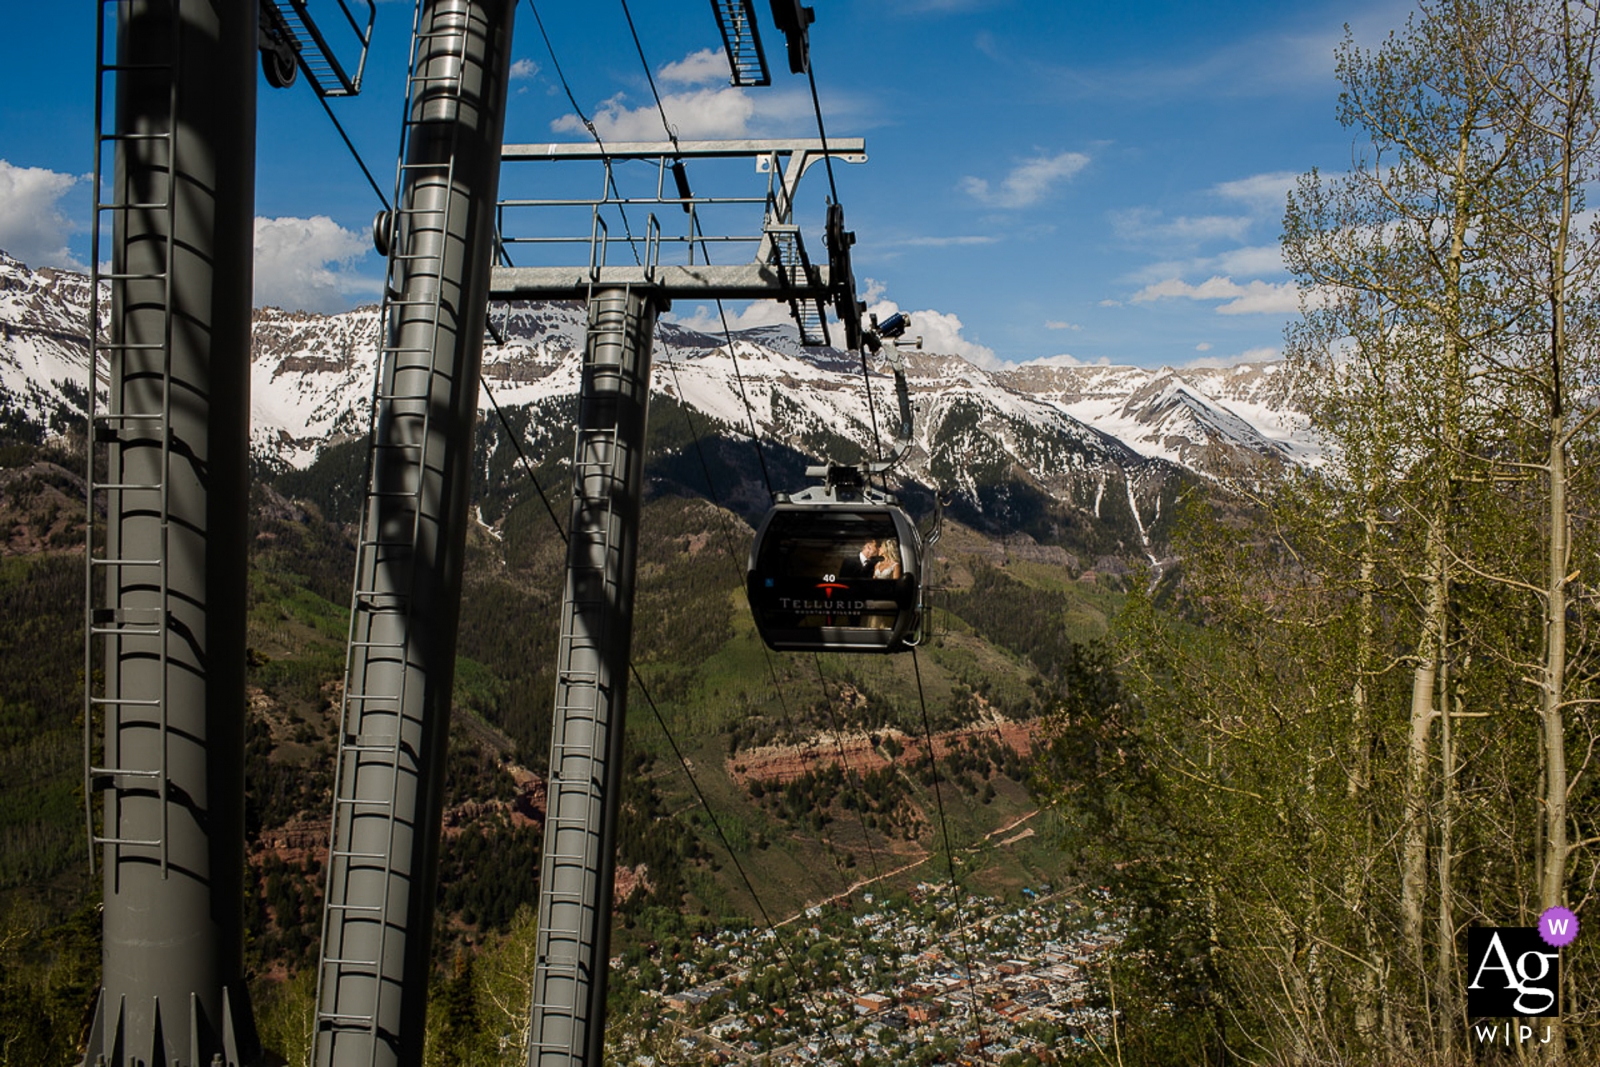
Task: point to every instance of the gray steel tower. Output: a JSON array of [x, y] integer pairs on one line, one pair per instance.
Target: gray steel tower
[[383, 854], [580, 827], [165, 652], [567, 1014]]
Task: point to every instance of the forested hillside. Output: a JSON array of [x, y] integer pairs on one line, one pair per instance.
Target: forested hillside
[[1363, 723], [817, 771]]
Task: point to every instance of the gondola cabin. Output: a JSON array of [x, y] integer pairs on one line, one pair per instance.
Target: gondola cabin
[[837, 576]]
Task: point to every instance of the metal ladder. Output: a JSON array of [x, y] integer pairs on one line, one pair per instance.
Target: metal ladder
[[380, 617], [111, 578], [563, 947], [314, 52], [741, 35], [789, 256]]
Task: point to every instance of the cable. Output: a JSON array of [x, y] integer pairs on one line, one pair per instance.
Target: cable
[[671, 136], [816, 105], [526, 464], [666, 732], [348, 144], [562, 533], [750, 415], [733, 355], [844, 761], [705, 247], [872, 409], [716, 499], [611, 178], [717, 826], [573, 100], [744, 396], [950, 856], [833, 191]]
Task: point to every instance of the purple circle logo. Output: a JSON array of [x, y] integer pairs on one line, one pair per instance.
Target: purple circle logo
[[1558, 927]]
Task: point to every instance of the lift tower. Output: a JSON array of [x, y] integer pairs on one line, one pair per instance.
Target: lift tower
[[383, 853], [579, 852], [174, 192]]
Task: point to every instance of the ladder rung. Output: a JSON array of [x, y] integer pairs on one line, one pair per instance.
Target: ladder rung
[[133, 277], [339, 962], [135, 616], [367, 908], [121, 772], [124, 702], [575, 898], [343, 1018], [133, 205], [111, 68], [131, 841], [337, 854], [576, 822]]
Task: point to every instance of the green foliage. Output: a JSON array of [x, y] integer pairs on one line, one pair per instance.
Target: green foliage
[[286, 1017], [41, 716], [49, 972], [334, 482]]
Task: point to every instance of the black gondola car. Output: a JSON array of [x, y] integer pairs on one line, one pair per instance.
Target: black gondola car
[[837, 576]]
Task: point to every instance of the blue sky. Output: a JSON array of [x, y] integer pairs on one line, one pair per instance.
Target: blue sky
[[1098, 181]]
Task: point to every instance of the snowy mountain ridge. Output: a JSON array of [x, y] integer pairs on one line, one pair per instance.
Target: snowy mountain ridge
[[1064, 428]]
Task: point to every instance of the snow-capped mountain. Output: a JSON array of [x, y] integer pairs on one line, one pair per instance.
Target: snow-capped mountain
[[1074, 433]]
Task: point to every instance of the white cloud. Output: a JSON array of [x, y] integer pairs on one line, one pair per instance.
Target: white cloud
[[1262, 64], [1264, 298], [1028, 183], [1147, 224], [1250, 260], [941, 242], [33, 228], [726, 113], [1256, 297], [705, 67], [1064, 360], [523, 69], [310, 264], [1056, 324], [1263, 192], [928, 7], [1109, 303], [1259, 259], [1203, 346], [1249, 355], [1207, 227], [705, 318], [941, 334]]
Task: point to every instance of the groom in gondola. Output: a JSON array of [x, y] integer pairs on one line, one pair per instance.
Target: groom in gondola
[[861, 565]]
